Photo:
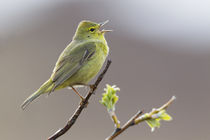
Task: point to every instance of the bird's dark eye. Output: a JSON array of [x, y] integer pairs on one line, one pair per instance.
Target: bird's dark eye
[[92, 29]]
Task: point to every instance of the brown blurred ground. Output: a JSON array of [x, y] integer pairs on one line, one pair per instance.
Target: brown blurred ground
[[148, 71]]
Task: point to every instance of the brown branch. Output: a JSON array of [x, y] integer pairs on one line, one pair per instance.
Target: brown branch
[[138, 117], [83, 104], [126, 126]]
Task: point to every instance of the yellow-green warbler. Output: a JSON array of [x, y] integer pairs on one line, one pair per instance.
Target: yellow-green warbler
[[80, 61]]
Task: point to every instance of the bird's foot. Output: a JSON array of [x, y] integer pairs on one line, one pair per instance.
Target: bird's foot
[[92, 86], [83, 102]]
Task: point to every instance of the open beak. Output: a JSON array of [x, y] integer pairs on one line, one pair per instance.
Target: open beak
[[102, 24]]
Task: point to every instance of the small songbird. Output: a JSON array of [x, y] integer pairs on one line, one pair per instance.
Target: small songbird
[[80, 61]]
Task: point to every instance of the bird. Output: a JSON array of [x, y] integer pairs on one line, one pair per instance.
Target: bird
[[79, 62]]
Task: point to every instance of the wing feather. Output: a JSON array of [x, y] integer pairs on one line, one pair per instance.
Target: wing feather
[[68, 65]]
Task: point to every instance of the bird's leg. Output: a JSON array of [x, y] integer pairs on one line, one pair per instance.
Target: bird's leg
[[81, 97]]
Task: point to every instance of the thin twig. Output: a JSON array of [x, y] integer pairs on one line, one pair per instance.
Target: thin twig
[[83, 104], [154, 111], [114, 119], [137, 118], [126, 125]]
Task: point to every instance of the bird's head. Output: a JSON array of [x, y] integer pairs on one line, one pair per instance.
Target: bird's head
[[90, 30]]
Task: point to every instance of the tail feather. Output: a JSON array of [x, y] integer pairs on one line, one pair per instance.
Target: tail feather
[[43, 89], [30, 99]]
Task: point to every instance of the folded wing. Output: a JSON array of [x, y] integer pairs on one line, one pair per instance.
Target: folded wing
[[69, 64]]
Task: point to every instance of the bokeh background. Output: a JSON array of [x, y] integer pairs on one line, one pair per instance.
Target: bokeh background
[[159, 48]]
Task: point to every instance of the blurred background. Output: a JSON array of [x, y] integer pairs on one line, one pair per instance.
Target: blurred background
[[159, 48]]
